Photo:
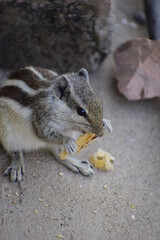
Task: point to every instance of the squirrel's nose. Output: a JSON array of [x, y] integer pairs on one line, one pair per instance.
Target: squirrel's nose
[[100, 134], [99, 130]]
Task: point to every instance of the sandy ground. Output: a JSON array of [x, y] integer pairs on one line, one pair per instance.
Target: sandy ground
[[77, 207]]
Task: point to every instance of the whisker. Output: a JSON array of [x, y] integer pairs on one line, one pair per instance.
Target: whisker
[[61, 119]]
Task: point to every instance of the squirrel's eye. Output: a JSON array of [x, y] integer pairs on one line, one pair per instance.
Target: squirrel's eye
[[81, 112]]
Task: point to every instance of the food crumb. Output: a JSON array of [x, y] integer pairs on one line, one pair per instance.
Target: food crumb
[[17, 194], [133, 206], [102, 160], [60, 236], [40, 199], [60, 173]]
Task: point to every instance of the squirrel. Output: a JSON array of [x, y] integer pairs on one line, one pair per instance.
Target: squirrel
[[41, 109]]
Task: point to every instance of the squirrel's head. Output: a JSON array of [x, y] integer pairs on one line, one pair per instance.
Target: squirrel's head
[[83, 108]]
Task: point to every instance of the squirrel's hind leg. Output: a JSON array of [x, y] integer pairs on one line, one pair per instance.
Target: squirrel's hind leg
[[16, 169], [76, 165]]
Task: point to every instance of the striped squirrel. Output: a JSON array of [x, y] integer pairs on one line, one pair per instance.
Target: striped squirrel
[[41, 109]]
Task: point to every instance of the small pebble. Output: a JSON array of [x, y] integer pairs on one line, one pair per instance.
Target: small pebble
[[132, 24], [124, 21], [95, 211], [14, 203], [9, 195], [36, 212], [105, 186], [133, 217], [17, 194], [53, 218]]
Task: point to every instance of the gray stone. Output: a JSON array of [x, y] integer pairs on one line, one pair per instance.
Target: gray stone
[[63, 35]]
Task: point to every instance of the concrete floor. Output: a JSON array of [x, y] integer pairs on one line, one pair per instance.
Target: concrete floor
[[77, 207]]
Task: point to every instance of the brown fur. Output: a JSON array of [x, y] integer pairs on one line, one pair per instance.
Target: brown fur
[[15, 93], [48, 74], [30, 78]]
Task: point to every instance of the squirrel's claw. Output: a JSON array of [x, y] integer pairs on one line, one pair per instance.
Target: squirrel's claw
[[71, 147], [78, 166], [16, 169]]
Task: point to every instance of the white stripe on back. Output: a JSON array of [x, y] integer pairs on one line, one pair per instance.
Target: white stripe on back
[[18, 83], [37, 73]]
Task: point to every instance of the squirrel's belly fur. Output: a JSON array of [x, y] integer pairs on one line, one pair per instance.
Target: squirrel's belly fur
[[16, 131]]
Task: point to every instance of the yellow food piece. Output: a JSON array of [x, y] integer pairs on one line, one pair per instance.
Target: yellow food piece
[[133, 206], [41, 200], [60, 173], [60, 236], [82, 142], [102, 160]]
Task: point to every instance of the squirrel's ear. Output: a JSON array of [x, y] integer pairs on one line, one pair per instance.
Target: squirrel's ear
[[62, 86], [83, 73]]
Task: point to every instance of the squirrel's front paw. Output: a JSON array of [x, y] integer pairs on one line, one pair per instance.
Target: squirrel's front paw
[[71, 146]]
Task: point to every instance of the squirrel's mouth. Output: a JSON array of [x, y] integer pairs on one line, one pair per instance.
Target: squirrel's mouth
[[100, 134], [105, 127], [84, 132]]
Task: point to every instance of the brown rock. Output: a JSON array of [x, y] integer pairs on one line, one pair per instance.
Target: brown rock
[[64, 35], [138, 69]]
